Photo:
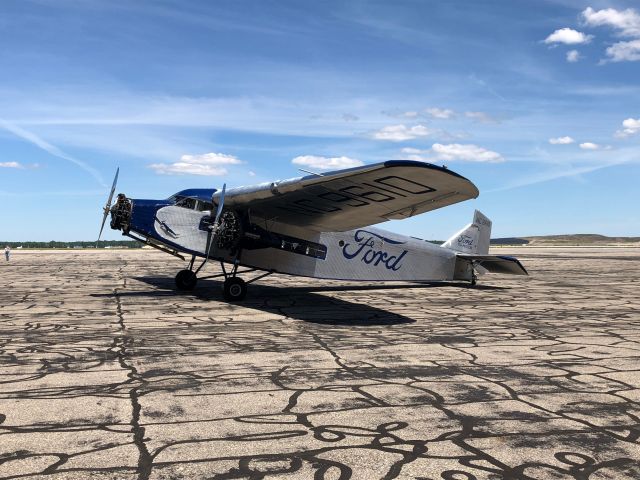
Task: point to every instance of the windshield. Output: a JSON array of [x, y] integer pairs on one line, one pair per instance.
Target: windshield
[[191, 203]]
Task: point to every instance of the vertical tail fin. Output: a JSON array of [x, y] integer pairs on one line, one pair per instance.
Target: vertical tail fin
[[474, 238]]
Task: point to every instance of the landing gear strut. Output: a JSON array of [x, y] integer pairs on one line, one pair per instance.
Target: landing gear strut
[[474, 279], [234, 289]]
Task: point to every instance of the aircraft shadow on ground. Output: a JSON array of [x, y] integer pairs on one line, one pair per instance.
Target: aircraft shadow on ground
[[305, 303]]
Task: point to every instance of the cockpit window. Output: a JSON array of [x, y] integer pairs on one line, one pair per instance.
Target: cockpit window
[[187, 202], [204, 206], [191, 203]]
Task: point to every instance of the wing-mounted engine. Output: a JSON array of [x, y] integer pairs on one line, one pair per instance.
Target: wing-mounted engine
[[230, 230]]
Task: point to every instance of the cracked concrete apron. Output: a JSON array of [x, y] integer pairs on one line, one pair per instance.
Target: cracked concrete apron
[[107, 372]]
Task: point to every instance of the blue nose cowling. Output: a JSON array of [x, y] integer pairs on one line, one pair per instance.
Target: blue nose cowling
[[143, 216]]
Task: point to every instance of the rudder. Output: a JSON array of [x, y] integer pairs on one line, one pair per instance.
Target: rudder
[[474, 238]]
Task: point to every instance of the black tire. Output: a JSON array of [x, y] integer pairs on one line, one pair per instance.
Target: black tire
[[234, 289], [186, 280]]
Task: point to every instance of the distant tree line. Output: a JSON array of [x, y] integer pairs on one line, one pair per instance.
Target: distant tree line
[[78, 244]]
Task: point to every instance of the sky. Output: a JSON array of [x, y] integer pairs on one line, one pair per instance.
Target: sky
[[537, 102]]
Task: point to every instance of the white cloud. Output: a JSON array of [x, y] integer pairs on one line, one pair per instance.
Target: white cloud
[[589, 146], [411, 114], [417, 154], [205, 164], [480, 117], [453, 152], [211, 159], [573, 56], [10, 165], [182, 168], [465, 152], [411, 150], [398, 133], [441, 113], [630, 126], [326, 163], [568, 36], [624, 51], [626, 22], [561, 141]]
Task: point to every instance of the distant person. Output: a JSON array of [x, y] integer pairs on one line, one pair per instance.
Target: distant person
[[7, 252]]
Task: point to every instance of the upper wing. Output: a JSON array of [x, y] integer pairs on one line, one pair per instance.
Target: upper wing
[[355, 197]]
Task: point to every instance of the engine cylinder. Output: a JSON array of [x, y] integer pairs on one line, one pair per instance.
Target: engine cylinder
[[121, 213], [230, 230]]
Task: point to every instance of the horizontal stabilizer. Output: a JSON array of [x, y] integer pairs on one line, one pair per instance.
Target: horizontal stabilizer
[[496, 263]]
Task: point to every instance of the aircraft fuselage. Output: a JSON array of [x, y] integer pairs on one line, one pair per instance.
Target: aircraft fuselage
[[363, 254]]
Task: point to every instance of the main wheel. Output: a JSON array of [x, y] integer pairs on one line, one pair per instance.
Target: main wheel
[[186, 280], [234, 289]]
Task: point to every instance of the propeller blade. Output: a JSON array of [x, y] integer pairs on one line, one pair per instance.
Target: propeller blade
[[213, 229], [108, 204], [220, 204]]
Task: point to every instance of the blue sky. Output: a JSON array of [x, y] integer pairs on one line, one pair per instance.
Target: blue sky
[[537, 102]]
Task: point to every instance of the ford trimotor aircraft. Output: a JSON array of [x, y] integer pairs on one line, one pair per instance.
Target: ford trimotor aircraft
[[315, 226]]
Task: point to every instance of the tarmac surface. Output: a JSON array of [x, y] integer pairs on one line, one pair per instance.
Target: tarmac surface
[[107, 372]]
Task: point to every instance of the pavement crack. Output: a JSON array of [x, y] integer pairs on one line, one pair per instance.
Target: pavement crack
[[123, 344]]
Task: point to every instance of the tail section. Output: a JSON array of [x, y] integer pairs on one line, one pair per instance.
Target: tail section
[[474, 238]]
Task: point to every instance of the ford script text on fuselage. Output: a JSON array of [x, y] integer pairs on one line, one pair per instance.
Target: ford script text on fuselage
[[363, 248]]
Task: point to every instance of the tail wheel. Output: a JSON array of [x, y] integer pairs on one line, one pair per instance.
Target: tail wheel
[[234, 289], [186, 280]]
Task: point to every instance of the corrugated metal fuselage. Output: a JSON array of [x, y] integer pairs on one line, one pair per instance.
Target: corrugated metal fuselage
[[363, 254]]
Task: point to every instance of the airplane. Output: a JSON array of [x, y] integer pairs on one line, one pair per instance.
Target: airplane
[[315, 226]]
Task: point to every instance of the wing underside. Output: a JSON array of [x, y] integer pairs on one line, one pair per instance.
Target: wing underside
[[353, 198]]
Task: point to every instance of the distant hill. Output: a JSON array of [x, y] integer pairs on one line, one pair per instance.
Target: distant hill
[[575, 239], [509, 241]]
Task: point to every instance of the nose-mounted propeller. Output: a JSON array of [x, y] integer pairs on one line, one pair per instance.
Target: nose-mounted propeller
[[215, 226], [107, 206]]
